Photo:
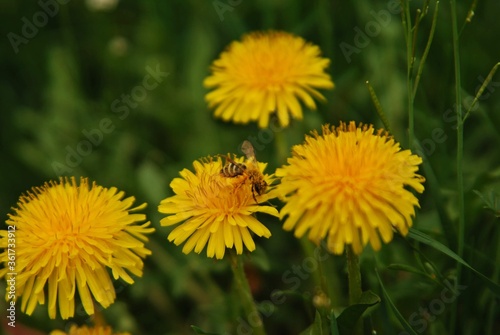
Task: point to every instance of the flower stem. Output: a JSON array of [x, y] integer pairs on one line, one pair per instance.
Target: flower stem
[[243, 289], [354, 276], [410, 53], [460, 148]]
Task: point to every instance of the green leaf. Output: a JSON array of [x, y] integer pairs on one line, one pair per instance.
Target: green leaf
[[349, 317], [198, 330], [426, 239], [398, 314], [334, 327], [316, 328]]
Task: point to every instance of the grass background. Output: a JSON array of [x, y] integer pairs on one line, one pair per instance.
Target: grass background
[[64, 81]]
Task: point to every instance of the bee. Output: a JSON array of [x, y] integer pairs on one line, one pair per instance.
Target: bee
[[250, 170]]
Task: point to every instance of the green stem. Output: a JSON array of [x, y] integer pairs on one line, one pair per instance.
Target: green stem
[[243, 289], [281, 147], [409, 70], [495, 276], [354, 276], [426, 50], [308, 249], [460, 149]]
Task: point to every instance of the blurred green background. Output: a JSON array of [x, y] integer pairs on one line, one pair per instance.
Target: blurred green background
[[60, 80]]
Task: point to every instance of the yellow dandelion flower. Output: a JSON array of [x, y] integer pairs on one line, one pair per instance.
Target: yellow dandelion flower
[[215, 209], [267, 72], [64, 237], [348, 186], [84, 330]]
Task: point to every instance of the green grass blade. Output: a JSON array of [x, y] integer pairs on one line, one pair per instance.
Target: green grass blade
[[316, 328], [427, 240], [398, 314], [334, 328], [407, 268]]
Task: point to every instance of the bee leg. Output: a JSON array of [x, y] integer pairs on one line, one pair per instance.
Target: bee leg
[[242, 182], [253, 194]]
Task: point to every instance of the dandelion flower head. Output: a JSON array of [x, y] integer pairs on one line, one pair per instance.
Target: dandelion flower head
[[84, 330], [264, 73], [215, 209], [349, 185], [66, 236]]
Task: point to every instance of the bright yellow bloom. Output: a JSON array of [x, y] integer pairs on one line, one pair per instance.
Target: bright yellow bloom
[[348, 186], [65, 236], [267, 72], [84, 330], [214, 209]]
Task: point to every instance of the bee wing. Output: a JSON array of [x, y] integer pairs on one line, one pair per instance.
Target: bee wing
[[248, 150]]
